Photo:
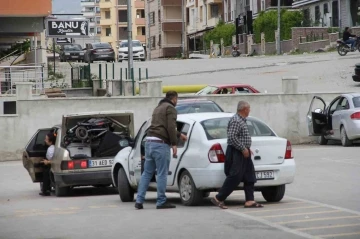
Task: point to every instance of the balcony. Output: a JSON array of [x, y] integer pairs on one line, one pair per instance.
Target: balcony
[[92, 24], [105, 4], [214, 1], [87, 3], [212, 22], [140, 21], [105, 22], [139, 4], [172, 26], [190, 3], [172, 3], [89, 14], [141, 38]]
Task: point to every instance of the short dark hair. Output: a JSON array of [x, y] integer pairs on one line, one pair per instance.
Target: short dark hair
[[51, 136], [171, 94], [346, 28]]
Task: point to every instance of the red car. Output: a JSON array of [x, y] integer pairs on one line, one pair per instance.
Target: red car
[[227, 89]]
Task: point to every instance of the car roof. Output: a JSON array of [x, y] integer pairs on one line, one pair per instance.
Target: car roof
[[231, 85], [189, 101], [351, 95], [198, 117]]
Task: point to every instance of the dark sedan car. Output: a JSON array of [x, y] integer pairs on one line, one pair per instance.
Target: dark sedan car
[[100, 51], [71, 52], [197, 106]]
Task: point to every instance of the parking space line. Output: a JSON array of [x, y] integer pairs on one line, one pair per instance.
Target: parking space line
[[317, 219], [328, 227], [270, 224], [299, 214], [282, 209], [340, 234]]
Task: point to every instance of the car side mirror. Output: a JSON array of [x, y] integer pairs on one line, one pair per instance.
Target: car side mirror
[[124, 143], [318, 111]]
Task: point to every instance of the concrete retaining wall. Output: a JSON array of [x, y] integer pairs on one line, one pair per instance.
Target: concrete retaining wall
[[285, 113], [313, 46]]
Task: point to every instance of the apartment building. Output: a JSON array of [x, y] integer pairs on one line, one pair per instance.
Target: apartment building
[[166, 29], [91, 10], [113, 21], [201, 16]]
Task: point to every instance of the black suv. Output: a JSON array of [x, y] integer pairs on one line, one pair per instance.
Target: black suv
[[187, 106], [71, 52], [100, 51]]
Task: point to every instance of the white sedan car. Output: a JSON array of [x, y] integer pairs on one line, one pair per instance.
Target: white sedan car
[[199, 167]]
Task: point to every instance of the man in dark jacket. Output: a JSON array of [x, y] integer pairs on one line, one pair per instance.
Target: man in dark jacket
[[162, 135], [346, 37], [238, 164]]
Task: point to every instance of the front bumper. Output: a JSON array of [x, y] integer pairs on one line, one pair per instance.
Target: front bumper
[[213, 177], [83, 178], [136, 56]]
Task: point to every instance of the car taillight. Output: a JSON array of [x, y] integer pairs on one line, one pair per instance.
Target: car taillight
[[288, 152], [355, 116], [216, 154], [93, 51], [74, 164]]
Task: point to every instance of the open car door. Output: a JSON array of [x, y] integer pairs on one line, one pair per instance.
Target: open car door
[[316, 118], [35, 151]]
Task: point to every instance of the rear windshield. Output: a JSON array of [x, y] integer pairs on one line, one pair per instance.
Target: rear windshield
[[72, 48], [207, 90], [102, 45], [217, 128], [356, 101], [197, 108]]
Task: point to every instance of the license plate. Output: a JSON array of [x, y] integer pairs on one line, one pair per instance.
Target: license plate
[[100, 163], [263, 175], [104, 55]]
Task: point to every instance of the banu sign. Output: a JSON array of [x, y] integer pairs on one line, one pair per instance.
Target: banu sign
[[67, 28]]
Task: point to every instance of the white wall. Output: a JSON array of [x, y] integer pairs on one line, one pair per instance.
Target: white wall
[[286, 114]]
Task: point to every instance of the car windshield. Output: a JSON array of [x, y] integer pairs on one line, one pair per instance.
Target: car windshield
[[198, 108], [356, 101], [102, 45], [72, 48], [207, 90], [134, 43], [217, 128]]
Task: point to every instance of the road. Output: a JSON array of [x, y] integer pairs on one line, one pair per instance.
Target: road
[[323, 201], [325, 72]]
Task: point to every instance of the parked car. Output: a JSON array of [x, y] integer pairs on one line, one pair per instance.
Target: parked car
[[227, 89], [199, 167], [100, 51], [340, 120], [71, 52], [85, 148], [137, 48], [186, 106]]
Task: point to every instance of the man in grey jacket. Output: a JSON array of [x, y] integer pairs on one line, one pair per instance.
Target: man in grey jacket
[[162, 135]]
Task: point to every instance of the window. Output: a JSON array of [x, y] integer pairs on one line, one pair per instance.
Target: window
[[201, 13], [92, 19], [326, 8], [102, 45], [143, 31], [214, 11], [153, 42], [262, 5], [159, 43], [107, 15], [122, 2], [97, 10], [184, 129], [152, 18], [344, 104], [241, 90], [333, 106], [97, 20], [225, 91], [356, 101], [39, 143], [159, 15], [217, 128], [197, 108], [122, 15], [317, 14], [108, 32], [207, 90], [98, 30]]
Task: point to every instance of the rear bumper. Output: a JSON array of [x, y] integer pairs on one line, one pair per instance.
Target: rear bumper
[[83, 178], [213, 177], [73, 57]]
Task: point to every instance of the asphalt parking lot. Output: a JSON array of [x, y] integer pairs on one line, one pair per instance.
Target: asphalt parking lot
[[323, 202]]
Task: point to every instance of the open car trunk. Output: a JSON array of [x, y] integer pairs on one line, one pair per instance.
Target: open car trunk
[[96, 134]]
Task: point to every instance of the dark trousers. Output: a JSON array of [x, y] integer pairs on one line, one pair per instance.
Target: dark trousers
[[46, 178], [230, 184]]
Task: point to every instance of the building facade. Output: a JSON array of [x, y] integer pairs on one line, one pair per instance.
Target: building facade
[[165, 31], [91, 11], [113, 21]]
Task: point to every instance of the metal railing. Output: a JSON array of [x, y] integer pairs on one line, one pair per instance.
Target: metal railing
[[10, 75]]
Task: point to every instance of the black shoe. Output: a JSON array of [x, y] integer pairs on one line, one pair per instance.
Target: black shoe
[[139, 206], [166, 205], [44, 193]]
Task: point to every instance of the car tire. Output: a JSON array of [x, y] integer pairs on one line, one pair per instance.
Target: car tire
[[273, 194], [322, 140], [189, 194], [344, 138], [126, 192], [61, 191], [206, 194]]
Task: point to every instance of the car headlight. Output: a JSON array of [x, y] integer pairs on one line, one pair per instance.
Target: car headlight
[[67, 54]]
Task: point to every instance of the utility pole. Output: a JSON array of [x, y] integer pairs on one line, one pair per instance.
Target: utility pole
[[117, 31], [278, 30], [182, 28], [130, 49], [149, 37]]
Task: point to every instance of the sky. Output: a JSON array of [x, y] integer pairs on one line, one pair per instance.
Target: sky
[[66, 6]]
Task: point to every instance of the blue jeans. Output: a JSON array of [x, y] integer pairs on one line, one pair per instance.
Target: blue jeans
[[157, 157], [351, 41]]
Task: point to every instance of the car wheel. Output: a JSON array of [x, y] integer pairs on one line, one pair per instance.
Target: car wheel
[[344, 138], [273, 194], [189, 194], [61, 191], [322, 140], [126, 192]]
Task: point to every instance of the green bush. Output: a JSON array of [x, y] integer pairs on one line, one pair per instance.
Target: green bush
[[266, 22], [222, 30]]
